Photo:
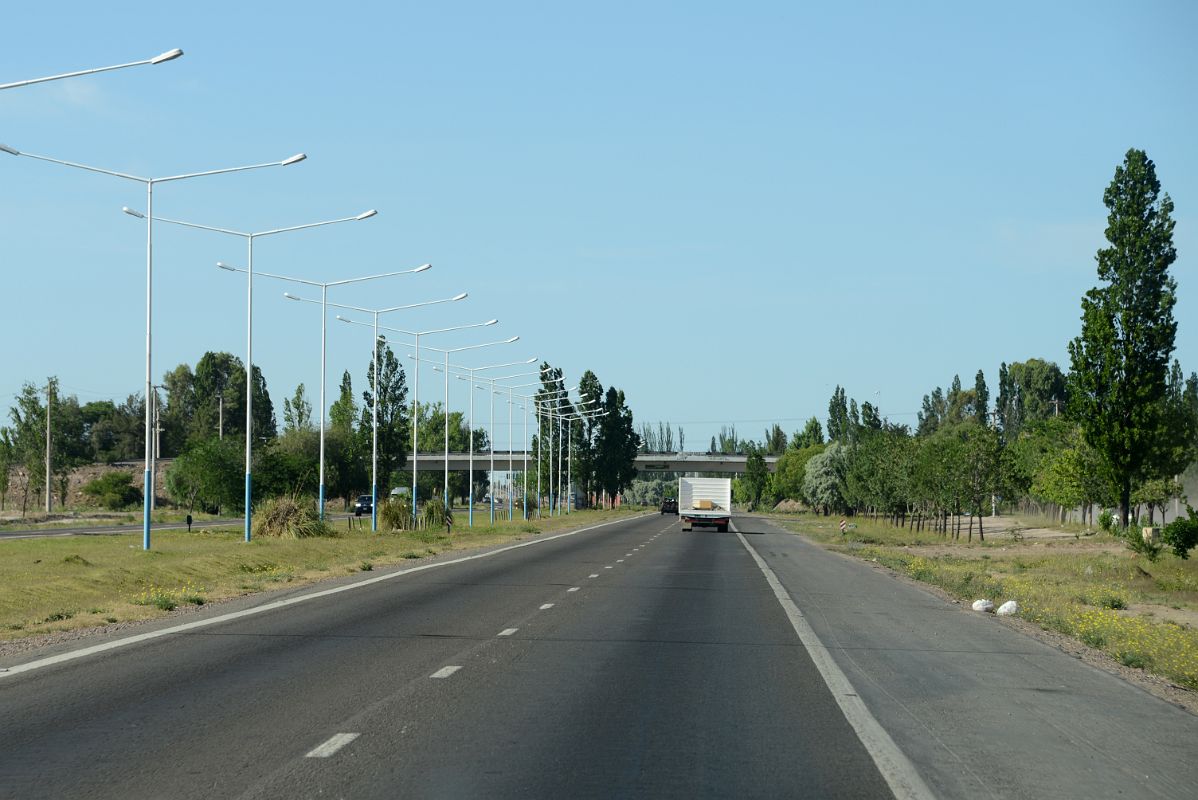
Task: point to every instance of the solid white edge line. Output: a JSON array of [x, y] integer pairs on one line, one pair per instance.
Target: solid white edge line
[[444, 672], [335, 743], [507, 631], [29, 666], [896, 769]]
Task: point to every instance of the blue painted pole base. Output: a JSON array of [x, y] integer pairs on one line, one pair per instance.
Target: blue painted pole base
[[374, 507], [145, 529], [320, 503], [248, 507]]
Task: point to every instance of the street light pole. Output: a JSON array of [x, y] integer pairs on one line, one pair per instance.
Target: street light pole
[[149, 184], [169, 55], [416, 382], [470, 372], [249, 333], [374, 406]]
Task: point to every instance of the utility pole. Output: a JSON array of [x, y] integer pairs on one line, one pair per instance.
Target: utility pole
[[49, 402], [1056, 407], [220, 425]]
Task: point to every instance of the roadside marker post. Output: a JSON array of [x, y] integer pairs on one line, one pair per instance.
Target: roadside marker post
[[843, 526]]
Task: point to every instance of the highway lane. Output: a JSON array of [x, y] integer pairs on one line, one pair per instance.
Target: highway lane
[[672, 672]]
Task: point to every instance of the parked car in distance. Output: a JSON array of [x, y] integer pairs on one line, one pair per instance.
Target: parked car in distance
[[669, 506], [363, 505]]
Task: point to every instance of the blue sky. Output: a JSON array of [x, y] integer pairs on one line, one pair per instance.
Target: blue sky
[[723, 209]]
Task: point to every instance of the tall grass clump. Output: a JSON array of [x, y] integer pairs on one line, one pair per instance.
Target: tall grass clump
[[434, 514], [290, 517], [396, 514]]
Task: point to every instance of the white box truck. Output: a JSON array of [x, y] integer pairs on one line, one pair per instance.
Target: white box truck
[[705, 502]]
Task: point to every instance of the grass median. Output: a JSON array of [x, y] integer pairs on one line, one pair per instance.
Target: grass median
[[57, 584], [1142, 613]]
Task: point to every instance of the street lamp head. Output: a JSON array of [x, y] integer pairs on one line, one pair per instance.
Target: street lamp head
[[225, 266], [513, 339], [422, 268], [169, 55], [10, 150], [295, 159], [491, 322], [132, 212], [461, 296], [290, 296], [531, 360], [366, 214]]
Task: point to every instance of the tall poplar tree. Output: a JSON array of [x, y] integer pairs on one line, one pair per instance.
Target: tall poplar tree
[[1121, 359]]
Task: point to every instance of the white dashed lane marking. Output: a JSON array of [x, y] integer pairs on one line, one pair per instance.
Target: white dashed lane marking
[[507, 631], [607, 567], [572, 589], [444, 672], [547, 606], [332, 745], [593, 575]]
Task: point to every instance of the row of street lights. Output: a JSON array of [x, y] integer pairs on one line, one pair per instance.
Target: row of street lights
[[250, 238]]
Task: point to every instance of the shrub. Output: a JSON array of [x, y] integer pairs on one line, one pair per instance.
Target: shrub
[[1182, 533], [1106, 521], [1135, 541], [396, 514], [290, 517], [114, 491]]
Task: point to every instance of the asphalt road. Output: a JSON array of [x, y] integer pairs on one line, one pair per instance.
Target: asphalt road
[[631, 660]]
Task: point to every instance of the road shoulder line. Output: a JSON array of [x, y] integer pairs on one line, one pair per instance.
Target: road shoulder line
[[896, 769]]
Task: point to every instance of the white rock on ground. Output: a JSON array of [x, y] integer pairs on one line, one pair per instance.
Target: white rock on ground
[[983, 605], [1008, 608]]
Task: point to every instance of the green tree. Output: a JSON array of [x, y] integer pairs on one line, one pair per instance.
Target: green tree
[[394, 436], [791, 469], [933, 414], [28, 434], [1028, 392], [616, 445], [297, 411], [1120, 362], [812, 433], [823, 481], [210, 475], [775, 440], [871, 418], [756, 476], [178, 414], [838, 416], [6, 463], [981, 398], [587, 434], [344, 409]]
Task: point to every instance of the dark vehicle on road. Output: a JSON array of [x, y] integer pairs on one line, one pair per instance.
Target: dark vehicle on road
[[363, 505], [669, 506]]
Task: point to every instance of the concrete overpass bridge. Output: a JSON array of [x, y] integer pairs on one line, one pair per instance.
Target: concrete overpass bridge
[[646, 463]]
